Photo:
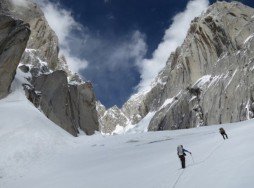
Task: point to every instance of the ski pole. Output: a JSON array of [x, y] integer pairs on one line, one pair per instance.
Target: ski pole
[[192, 158]]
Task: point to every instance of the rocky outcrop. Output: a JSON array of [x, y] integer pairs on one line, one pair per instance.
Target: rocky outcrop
[[72, 107], [83, 103], [43, 39], [112, 118], [208, 79], [61, 95], [14, 35], [54, 99]]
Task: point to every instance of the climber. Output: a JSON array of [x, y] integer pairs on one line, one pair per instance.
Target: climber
[[181, 154], [223, 133]]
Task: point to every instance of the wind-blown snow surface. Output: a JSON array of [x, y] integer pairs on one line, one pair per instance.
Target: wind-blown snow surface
[[26, 135], [37, 153]]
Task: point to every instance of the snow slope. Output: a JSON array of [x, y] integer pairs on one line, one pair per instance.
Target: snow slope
[[37, 153], [26, 135]]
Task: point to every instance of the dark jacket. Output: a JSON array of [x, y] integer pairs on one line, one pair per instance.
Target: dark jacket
[[222, 131]]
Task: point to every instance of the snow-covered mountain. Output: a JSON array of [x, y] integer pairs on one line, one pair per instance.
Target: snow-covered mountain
[[207, 80], [36, 153], [197, 86]]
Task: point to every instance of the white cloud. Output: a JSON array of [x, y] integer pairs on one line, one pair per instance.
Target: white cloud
[[138, 48], [173, 37], [132, 49], [67, 30], [117, 54]]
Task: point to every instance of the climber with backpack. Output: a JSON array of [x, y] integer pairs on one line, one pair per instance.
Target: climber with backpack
[[223, 133], [181, 154]]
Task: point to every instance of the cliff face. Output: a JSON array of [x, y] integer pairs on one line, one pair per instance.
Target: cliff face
[[53, 88], [208, 79], [43, 39], [14, 35], [212, 71], [84, 107]]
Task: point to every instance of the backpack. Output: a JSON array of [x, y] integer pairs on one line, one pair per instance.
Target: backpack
[[222, 131], [180, 150]]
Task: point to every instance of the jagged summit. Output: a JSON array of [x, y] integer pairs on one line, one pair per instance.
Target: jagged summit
[[202, 77]]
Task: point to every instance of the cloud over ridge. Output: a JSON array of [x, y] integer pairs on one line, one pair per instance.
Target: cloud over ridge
[[69, 32], [173, 37], [108, 59]]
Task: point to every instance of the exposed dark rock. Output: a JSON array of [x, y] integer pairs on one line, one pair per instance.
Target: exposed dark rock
[[69, 106], [14, 35], [55, 99], [43, 39], [33, 96], [84, 107], [24, 68]]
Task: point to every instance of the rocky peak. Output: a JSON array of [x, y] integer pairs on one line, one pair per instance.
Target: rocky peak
[[193, 88], [203, 63]]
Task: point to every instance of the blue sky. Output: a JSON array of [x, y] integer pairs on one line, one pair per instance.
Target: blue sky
[[113, 36]]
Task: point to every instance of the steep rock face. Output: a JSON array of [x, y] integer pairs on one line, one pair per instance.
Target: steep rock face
[[84, 107], [43, 39], [14, 35], [208, 79], [54, 99], [72, 107], [61, 95], [212, 67]]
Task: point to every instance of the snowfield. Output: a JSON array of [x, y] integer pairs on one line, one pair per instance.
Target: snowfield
[[35, 153]]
